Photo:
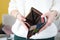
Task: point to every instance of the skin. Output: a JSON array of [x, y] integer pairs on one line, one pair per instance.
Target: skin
[[50, 18]]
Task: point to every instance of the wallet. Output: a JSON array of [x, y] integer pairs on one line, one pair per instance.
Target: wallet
[[34, 18]]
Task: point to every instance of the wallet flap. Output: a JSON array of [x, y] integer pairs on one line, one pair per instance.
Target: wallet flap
[[34, 17]]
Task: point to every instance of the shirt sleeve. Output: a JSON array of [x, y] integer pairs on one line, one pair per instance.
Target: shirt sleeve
[[12, 6]]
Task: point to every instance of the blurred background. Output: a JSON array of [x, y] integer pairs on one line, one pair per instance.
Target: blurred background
[[6, 22], [3, 8]]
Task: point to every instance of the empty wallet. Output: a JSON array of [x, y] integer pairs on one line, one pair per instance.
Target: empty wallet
[[34, 18]]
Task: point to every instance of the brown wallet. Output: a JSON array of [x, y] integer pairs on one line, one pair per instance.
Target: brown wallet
[[34, 17]]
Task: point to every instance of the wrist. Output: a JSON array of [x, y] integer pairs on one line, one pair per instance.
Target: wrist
[[55, 13]]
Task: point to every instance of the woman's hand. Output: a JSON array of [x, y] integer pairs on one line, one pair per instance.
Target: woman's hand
[[21, 18], [17, 15], [51, 16]]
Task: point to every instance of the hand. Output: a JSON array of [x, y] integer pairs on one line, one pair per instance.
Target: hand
[[50, 15], [22, 20], [19, 17]]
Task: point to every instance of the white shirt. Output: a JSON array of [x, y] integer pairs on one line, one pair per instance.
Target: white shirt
[[24, 7]]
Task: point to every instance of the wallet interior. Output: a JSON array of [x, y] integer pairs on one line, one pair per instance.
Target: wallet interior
[[34, 17]]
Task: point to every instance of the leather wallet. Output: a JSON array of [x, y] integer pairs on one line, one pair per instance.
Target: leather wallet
[[34, 18]]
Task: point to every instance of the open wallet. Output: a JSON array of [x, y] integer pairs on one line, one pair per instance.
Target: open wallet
[[34, 18]]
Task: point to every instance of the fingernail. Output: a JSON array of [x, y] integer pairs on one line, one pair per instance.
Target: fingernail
[[24, 19], [42, 16]]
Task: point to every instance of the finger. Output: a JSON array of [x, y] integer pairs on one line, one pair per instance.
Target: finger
[[42, 29], [23, 18], [48, 23], [44, 15]]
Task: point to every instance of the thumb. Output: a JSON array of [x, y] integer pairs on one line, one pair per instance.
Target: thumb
[[44, 15], [23, 18]]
